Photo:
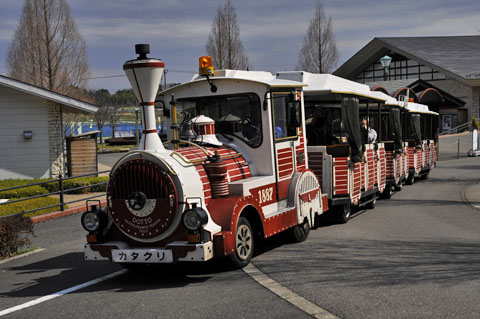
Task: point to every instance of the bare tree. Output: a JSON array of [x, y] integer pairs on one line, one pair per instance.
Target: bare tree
[[224, 44], [72, 123], [115, 114], [118, 101], [319, 51], [47, 50], [102, 99]]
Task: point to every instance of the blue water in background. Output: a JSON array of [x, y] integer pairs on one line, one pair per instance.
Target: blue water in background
[[121, 129]]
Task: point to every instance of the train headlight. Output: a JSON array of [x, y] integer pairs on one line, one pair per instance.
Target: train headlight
[[194, 218], [90, 221], [94, 220]]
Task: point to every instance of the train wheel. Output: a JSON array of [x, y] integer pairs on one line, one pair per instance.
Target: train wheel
[[410, 179], [243, 244], [399, 186], [425, 176], [387, 192], [299, 233], [372, 204], [342, 213]]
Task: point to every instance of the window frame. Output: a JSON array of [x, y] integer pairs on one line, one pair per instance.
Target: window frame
[[254, 100], [287, 138]]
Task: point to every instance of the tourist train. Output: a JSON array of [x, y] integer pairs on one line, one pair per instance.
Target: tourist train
[[250, 155]]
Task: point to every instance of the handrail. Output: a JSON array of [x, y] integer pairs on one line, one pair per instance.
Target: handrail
[[460, 127], [60, 192]]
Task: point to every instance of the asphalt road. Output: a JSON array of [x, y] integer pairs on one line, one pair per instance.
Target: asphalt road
[[416, 255]]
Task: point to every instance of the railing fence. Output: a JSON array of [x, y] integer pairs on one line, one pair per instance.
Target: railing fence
[[61, 192]]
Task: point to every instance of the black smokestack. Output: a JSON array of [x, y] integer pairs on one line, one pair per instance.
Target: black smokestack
[[142, 50]]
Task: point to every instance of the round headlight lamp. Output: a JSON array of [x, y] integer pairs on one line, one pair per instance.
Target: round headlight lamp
[[194, 218], [91, 221]]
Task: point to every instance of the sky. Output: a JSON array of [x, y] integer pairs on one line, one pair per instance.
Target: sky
[[272, 31]]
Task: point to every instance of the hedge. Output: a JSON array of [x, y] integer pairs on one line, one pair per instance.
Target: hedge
[[78, 182], [51, 187], [8, 209]]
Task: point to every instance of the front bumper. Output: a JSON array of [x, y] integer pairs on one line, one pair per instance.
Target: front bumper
[[176, 251]]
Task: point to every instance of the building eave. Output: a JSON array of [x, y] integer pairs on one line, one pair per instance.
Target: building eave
[[71, 103], [378, 47]]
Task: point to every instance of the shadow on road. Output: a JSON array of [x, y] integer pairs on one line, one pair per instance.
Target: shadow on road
[[376, 262], [58, 273], [68, 270]]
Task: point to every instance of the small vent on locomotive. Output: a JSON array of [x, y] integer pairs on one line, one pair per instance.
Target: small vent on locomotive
[[139, 176]]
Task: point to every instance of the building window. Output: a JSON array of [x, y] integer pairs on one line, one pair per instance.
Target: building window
[[400, 68]]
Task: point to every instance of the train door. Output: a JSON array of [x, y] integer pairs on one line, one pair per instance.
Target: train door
[[289, 145]]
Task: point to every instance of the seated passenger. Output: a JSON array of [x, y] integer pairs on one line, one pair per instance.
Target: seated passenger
[[368, 134]]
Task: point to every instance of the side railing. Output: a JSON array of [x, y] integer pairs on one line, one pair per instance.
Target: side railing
[[458, 129], [62, 193]]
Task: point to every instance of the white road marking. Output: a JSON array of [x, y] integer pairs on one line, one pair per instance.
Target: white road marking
[[286, 294], [60, 293], [476, 206]]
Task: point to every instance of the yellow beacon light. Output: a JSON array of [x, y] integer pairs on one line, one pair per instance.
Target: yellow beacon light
[[205, 66]]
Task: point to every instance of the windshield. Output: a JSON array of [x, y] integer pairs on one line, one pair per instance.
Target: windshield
[[236, 115]]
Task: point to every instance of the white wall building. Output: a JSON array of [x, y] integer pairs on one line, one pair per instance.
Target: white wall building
[[31, 143]]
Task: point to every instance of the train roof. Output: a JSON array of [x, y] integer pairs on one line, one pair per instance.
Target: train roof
[[262, 77], [419, 108], [389, 100], [327, 83]]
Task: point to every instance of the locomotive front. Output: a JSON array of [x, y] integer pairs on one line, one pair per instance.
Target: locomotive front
[[154, 213]]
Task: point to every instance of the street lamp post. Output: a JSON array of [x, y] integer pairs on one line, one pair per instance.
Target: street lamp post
[[136, 124], [385, 61]]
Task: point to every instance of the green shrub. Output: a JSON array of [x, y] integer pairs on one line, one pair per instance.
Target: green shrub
[[475, 124], [23, 192], [14, 234], [98, 188], [12, 208], [78, 182], [6, 183]]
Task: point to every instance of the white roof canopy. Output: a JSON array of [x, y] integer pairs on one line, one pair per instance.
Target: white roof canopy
[[327, 83], [73, 104]]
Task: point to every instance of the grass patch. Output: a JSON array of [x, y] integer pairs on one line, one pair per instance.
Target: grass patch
[[26, 250], [29, 191], [114, 148], [23, 192], [13, 208]]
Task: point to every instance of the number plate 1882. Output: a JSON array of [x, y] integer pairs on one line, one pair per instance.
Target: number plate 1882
[[142, 256]]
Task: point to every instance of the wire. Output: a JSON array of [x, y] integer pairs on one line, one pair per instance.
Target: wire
[[122, 75]]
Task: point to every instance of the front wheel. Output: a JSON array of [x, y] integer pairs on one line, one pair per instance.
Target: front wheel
[[244, 243]]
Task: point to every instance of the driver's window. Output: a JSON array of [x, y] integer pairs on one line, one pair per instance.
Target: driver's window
[[286, 116], [236, 115]]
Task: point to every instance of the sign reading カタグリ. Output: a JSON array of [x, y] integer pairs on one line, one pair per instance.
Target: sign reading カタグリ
[[142, 255]]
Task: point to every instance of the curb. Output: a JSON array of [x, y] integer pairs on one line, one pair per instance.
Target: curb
[[60, 214]]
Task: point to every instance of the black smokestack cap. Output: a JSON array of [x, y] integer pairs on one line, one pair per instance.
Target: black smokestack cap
[[142, 50]]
